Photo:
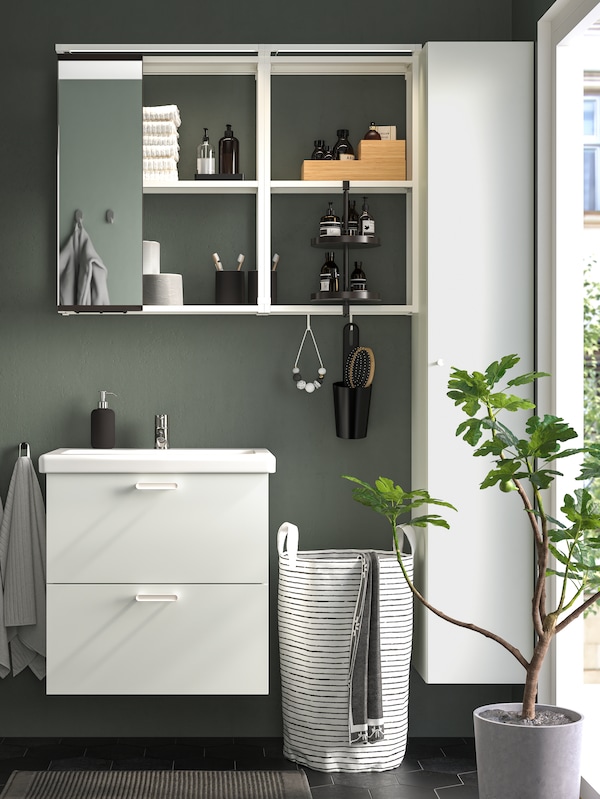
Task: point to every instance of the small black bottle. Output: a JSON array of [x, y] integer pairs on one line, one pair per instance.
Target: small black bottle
[[327, 154], [330, 224], [103, 424], [366, 223], [229, 153], [358, 279], [330, 274], [325, 275], [353, 220], [318, 153], [342, 149]]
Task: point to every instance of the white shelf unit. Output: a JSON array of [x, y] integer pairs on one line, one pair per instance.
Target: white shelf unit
[[265, 61]]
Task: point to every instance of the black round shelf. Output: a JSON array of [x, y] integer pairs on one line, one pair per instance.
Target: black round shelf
[[346, 296], [352, 242]]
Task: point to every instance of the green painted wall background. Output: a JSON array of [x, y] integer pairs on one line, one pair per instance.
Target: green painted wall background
[[223, 381]]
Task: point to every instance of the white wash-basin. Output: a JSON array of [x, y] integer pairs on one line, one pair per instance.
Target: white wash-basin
[[158, 460]]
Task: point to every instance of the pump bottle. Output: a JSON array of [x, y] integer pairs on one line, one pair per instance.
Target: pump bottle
[[205, 161], [103, 424], [229, 153]]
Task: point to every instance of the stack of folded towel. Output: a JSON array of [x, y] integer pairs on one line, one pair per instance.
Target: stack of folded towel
[[161, 142]]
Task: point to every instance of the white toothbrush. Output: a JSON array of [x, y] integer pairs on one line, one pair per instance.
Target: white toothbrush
[[275, 262], [240, 261], [217, 260]]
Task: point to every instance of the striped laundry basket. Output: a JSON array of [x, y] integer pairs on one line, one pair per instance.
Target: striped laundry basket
[[318, 600]]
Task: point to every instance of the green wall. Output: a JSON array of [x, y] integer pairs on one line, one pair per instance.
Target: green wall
[[224, 381]]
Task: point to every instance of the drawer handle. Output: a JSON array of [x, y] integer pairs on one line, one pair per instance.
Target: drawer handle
[[156, 486], [156, 597]]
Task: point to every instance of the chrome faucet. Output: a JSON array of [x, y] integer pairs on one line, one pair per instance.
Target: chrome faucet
[[161, 431]]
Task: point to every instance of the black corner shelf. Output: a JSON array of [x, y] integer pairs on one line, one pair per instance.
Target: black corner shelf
[[345, 296], [352, 242]]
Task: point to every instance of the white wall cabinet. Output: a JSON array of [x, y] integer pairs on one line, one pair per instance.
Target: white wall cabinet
[[161, 591], [476, 305], [273, 189]]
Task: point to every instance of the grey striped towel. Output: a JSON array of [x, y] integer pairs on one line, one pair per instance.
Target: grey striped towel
[[366, 723]]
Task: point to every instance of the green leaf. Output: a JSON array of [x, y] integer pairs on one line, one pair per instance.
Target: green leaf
[[496, 370], [529, 377], [510, 402]]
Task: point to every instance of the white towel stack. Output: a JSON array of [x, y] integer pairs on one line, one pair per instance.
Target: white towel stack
[[160, 143]]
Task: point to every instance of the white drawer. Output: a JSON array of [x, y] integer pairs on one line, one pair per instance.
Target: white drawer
[[191, 528], [213, 639]]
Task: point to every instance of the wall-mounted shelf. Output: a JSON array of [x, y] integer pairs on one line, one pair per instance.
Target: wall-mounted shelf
[[266, 69]]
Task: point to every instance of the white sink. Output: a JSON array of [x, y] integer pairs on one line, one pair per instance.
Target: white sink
[[158, 460]]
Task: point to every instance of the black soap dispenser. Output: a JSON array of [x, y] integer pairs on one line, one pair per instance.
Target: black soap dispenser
[[103, 424], [229, 153]]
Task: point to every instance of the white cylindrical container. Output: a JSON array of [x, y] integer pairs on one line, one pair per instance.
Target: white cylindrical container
[[163, 289], [151, 257]]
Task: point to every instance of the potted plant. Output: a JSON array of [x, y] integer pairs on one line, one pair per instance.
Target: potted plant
[[523, 467]]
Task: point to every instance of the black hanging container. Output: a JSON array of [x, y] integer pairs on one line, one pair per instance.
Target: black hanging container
[[351, 410]]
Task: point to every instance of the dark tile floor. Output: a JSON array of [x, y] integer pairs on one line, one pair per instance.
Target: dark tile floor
[[432, 768]]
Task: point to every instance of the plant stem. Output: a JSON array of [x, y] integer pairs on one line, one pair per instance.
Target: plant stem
[[467, 625], [578, 611]]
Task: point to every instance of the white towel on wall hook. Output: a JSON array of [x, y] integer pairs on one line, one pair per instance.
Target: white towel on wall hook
[[23, 571], [83, 275]]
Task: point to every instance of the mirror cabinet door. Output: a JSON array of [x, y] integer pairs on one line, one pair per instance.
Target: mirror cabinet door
[[100, 182]]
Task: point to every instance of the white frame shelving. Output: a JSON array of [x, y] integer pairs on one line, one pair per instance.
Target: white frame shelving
[[265, 61]]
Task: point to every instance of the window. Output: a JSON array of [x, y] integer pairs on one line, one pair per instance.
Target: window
[[591, 145]]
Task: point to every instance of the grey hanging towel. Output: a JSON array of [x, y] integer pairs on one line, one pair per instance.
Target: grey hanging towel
[[366, 721], [83, 275], [4, 649], [23, 571]]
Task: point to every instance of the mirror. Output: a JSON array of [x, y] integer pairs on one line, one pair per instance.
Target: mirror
[[99, 182]]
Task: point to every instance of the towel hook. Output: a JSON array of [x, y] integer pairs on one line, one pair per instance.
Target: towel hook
[[78, 216], [110, 216], [27, 450]]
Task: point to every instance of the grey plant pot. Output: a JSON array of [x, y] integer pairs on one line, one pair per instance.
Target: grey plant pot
[[528, 762]]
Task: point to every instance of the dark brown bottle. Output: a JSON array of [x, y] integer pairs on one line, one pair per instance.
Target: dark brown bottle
[[372, 133], [229, 153], [358, 279], [342, 149], [318, 153], [353, 220], [330, 224]]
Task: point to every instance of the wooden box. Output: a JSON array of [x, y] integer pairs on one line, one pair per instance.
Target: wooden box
[[376, 160]]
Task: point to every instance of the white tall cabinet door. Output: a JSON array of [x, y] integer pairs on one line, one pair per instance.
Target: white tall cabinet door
[[476, 295]]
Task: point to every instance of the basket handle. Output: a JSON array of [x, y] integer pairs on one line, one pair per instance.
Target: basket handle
[[288, 535], [410, 538]]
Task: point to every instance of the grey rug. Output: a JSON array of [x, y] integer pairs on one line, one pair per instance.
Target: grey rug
[[157, 785]]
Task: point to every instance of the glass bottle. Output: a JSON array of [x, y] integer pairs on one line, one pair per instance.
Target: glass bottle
[[342, 149], [325, 274], [334, 274], [372, 133], [205, 161], [366, 223], [352, 219], [318, 153], [358, 279], [229, 153], [330, 224], [327, 154]]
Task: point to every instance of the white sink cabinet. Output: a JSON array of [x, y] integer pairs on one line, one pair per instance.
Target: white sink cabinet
[[157, 580]]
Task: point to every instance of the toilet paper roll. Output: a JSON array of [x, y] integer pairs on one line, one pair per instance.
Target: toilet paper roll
[[151, 257], [163, 289]]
